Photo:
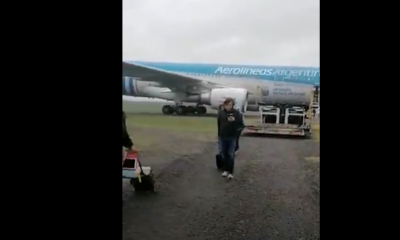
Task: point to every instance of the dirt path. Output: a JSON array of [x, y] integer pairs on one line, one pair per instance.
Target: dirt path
[[271, 197]]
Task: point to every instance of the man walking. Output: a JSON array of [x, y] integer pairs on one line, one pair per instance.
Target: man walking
[[229, 123]]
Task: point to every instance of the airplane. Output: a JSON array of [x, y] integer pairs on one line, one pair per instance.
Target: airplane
[[211, 84]]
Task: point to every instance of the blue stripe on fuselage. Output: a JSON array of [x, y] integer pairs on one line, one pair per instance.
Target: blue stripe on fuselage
[[304, 75]]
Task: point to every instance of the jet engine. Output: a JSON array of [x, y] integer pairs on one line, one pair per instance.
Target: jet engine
[[217, 96], [137, 88]]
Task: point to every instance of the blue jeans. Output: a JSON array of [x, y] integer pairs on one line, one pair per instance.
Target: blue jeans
[[227, 147]]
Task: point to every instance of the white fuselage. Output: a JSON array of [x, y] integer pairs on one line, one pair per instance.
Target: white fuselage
[[265, 91]]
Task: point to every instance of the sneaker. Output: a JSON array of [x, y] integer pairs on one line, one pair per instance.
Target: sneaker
[[230, 176], [224, 174]]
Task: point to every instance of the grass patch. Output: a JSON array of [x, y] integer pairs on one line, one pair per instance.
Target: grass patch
[[148, 115], [142, 107], [174, 123], [163, 133]]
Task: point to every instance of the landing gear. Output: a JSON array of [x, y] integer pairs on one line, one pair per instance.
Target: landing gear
[[167, 110], [180, 110], [201, 110], [191, 109], [183, 110]]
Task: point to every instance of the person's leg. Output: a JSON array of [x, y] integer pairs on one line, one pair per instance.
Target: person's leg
[[231, 155], [224, 144], [218, 156], [219, 146]]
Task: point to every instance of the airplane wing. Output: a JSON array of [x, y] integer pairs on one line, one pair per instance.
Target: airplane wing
[[173, 81]]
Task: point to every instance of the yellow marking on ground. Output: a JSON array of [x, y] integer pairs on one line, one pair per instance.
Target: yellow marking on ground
[[315, 131], [312, 159]]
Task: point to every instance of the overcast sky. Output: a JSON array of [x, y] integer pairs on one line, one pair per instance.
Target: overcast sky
[[265, 32]]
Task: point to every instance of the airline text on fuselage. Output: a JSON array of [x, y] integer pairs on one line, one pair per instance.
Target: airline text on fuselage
[[286, 73]]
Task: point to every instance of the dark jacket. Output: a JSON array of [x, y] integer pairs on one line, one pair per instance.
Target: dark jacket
[[228, 129], [126, 140], [241, 126]]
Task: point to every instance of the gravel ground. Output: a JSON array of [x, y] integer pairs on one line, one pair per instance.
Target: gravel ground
[[275, 193]]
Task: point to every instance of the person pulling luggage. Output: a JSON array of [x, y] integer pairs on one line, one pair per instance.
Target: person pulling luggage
[[229, 123]]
